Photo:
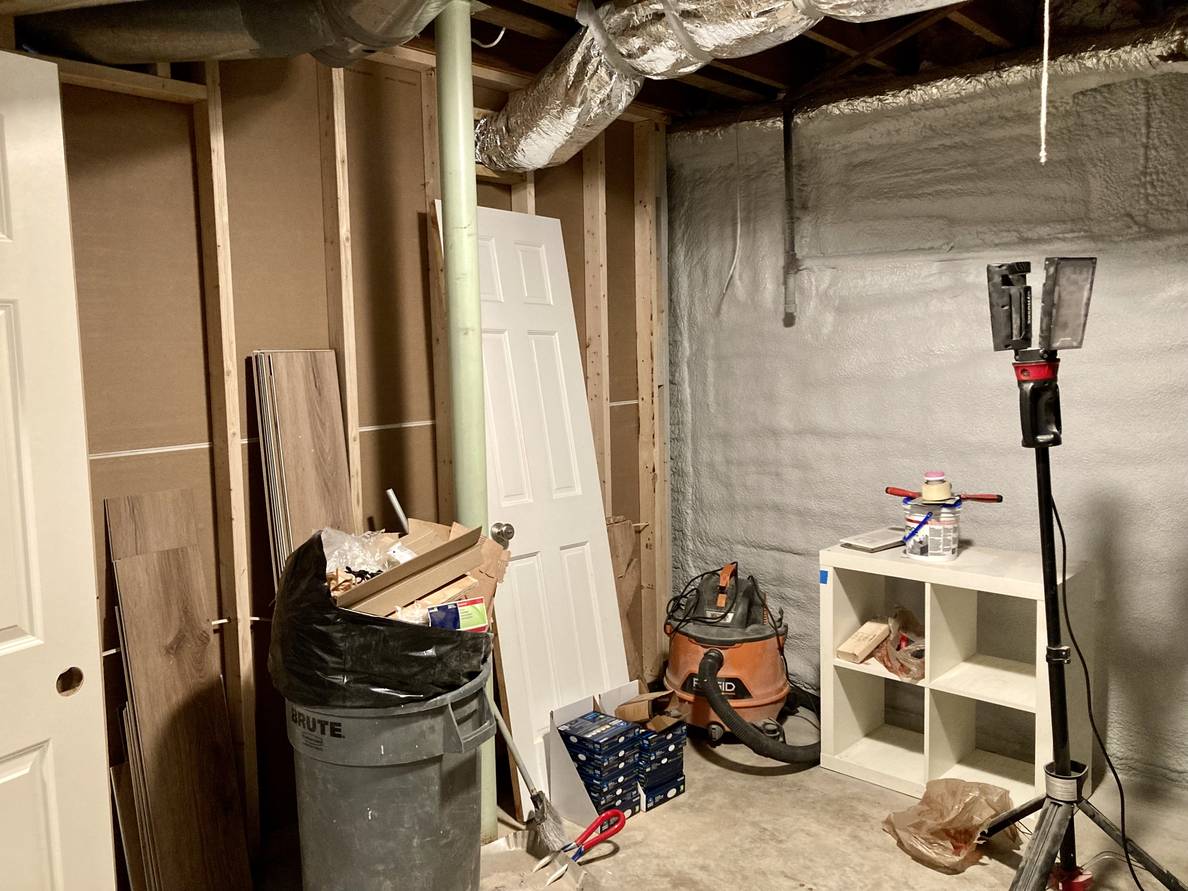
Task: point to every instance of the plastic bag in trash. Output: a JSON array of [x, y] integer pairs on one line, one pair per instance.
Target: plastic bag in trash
[[942, 830], [322, 655]]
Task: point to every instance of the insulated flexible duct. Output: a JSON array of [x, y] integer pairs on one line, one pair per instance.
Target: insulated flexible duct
[[600, 71], [336, 31]]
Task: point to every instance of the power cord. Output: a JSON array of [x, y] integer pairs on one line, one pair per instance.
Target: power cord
[[1089, 698]]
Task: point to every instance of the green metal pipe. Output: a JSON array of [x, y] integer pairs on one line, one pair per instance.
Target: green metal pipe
[[459, 210]]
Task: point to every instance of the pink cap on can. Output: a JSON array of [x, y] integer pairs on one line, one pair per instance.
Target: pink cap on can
[[934, 474]]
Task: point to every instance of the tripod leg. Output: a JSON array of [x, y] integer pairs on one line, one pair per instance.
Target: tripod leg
[[1040, 857], [1161, 875], [1011, 817]]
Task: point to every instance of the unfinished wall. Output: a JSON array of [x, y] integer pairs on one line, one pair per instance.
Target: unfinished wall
[[783, 438]]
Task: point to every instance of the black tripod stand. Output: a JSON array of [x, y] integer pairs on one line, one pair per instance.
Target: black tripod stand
[[1039, 406]]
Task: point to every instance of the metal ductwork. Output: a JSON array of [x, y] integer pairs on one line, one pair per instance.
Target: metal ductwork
[[600, 71], [337, 32]]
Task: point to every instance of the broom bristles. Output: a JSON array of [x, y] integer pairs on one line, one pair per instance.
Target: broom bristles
[[547, 823]]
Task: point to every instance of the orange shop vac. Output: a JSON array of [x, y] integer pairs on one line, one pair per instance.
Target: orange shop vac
[[726, 663]]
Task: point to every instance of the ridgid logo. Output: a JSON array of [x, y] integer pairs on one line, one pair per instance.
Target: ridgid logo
[[319, 726]]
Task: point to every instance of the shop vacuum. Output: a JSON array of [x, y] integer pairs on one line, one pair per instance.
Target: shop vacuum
[[726, 664]]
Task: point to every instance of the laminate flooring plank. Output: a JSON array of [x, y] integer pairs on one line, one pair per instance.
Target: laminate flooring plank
[[125, 805], [181, 718], [157, 521], [312, 442]]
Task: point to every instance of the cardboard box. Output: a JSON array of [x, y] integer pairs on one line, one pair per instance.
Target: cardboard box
[[442, 554], [653, 798]]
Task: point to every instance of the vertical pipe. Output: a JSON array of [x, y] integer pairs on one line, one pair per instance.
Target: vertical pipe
[[459, 206]]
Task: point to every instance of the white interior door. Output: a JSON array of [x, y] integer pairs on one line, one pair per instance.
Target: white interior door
[[560, 636], [55, 823]]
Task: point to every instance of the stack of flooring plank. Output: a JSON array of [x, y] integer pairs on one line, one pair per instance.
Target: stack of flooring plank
[[302, 447], [177, 798]]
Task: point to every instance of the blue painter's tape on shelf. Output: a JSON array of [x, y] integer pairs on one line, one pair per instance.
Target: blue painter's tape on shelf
[[824, 576]]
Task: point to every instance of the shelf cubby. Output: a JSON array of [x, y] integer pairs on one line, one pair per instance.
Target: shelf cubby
[[873, 742]]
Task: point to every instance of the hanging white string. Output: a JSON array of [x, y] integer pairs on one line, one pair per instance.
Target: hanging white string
[[1043, 154]]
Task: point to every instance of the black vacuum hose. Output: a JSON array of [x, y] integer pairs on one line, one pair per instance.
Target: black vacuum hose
[[754, 738]]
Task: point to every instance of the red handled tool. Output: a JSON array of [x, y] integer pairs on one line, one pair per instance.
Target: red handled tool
[[605, 826], [964, 496]]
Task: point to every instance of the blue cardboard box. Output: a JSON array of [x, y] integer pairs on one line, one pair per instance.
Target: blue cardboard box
[[661, 794], [595, 733]]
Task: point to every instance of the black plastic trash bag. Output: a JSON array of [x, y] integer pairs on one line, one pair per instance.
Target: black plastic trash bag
[[322, 655]]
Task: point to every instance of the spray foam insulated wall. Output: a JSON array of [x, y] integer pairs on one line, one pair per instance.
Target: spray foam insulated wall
[[783, 438]]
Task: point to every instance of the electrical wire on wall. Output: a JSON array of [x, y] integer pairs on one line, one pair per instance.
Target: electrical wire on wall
[[737, 215], [493, 43]]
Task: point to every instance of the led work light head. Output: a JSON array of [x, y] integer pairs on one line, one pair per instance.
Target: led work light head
[[1068, 287]]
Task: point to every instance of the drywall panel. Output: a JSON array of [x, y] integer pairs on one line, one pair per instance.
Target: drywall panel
[[389, 244], [403, 459], [131, 170], [559, 195], [140, 474], [783, 438], [274, 186], [624, 446], [494, 195], [620, 262]]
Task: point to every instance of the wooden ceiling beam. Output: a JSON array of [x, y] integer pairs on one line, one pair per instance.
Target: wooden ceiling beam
[[987, 24], [918, 24], [845, 39], [518, 22]]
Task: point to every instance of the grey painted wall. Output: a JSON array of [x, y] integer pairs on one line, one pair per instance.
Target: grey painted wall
[[783, 439]]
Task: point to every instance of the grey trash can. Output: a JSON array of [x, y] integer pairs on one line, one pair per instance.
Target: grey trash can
[[389, 798]]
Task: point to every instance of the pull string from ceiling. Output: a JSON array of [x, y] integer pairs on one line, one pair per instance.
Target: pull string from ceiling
[[1043, 152]]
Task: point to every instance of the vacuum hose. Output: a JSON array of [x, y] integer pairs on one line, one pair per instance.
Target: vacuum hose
[[754, 738]]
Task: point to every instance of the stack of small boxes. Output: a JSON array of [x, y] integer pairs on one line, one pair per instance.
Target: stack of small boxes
[[605, 750], [616, 758], [662, 763]]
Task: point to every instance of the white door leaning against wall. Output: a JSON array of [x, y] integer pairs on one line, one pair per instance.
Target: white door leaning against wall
[[55, 816]]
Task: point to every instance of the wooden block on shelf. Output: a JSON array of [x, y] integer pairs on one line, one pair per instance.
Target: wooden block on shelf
[[862, 643]]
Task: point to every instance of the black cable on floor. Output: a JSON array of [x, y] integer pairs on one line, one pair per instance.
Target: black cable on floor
[[1089, 698]]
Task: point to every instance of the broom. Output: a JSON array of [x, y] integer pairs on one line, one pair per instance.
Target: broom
[[544, 819]]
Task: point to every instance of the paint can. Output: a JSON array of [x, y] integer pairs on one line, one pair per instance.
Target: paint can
[[931, 530]]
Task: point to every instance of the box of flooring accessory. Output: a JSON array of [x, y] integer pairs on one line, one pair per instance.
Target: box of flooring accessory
[[658, 795], [662, 736], [566, 787]]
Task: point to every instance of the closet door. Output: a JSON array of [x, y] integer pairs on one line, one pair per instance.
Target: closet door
[[55, 814]]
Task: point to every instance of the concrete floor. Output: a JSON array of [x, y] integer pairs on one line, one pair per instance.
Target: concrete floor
[[744, 823]]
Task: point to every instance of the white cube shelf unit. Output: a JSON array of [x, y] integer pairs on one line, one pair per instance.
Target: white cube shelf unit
[[985, 634]]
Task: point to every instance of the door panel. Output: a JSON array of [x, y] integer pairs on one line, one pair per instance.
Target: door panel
[[557, 610], [55, 814]]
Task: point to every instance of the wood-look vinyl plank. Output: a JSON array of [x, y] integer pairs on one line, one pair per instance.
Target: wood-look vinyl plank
[[181, 719]]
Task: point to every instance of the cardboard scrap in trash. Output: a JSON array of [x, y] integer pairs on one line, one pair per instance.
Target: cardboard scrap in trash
[[434, 545]]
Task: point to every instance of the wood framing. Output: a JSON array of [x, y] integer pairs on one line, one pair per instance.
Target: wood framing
[[489, 74], [226, 436], [340, 287], [597, 323], [7, 33], [443, 428], [523, 195], [651, 344], [131, 83]]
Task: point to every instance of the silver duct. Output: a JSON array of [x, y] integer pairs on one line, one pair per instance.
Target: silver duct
[[600, 71], [337, 32]]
